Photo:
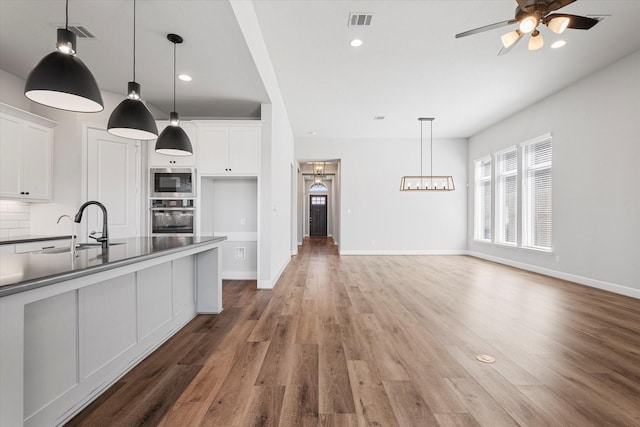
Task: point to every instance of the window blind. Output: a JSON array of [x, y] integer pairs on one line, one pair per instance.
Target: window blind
[[507, 197], [537, 195], [482, 202]]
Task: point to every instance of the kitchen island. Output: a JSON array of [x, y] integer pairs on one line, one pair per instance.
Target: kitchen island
[[70, 326]]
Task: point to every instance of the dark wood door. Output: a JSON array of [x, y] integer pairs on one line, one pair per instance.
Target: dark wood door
[[318, 215]]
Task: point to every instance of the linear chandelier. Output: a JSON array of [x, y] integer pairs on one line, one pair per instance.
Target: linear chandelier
[[427, 182]]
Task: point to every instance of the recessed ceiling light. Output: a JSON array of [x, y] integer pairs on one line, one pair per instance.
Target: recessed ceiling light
[[313, 132], [356, 42], [558, 44], [185, 77]]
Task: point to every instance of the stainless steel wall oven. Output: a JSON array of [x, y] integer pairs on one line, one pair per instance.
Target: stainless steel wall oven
[[173, 217]]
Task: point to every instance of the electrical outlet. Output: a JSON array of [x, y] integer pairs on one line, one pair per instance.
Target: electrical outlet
[[240, 253], [243, 221]]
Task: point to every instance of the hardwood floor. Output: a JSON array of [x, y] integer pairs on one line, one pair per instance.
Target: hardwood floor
[[391, 341]]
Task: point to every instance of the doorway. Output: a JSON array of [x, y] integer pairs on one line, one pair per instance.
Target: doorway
[[318, 215]]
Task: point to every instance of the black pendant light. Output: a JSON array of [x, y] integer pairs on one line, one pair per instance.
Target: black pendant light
[[131, 118], [61, 80], [173, 140]]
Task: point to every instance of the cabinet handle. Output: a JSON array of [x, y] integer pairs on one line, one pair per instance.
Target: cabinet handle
[[24, 192]]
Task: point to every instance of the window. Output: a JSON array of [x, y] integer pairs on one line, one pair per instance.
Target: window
[[536, 193], [318, 200], [507, 197], [482, 202], [318, 186]]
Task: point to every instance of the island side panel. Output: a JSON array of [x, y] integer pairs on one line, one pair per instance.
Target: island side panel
[[11, 361], [209, 281]]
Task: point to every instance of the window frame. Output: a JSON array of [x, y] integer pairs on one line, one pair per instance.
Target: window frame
[[529, 219], [479, 208], [499, 211]]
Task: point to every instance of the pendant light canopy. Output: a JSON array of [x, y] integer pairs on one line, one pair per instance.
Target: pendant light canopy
[[61, 80], [427, 182], [173, 140], [131, 118]]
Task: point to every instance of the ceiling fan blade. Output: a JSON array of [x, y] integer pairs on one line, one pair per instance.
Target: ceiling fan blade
[[487, 28], [506, 50], [575, 21], [558, 4]]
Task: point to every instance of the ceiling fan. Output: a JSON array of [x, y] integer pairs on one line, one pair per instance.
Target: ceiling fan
[[529, 14]]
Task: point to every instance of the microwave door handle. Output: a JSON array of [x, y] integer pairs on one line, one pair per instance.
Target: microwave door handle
[[172, 209]]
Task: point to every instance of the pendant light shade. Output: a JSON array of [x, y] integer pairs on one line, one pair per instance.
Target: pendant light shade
[[61, 80], [173, 140], [131, 118], [427, 182]]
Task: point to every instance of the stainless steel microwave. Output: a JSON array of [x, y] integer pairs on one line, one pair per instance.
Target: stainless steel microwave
[[173, 182]]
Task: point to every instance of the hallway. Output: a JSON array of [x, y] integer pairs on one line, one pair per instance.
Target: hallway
[[391, 341]]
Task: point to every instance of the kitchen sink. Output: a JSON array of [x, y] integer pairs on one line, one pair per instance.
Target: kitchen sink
[[79, 247]]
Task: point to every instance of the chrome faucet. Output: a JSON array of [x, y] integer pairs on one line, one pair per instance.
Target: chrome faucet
[[104, 239], [72, 245]]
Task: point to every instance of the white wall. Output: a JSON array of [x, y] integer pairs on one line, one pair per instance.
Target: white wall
[[596, 178], [274, 228], [375, 217], [229, 208]]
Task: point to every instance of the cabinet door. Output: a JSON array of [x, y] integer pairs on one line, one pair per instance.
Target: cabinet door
[[163, 160], [11, 142], [36, 160], [213, 154], [244, 149]]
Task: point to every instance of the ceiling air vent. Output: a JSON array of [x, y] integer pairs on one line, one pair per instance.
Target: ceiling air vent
[[79, 30], [378, 117], [360, 19]]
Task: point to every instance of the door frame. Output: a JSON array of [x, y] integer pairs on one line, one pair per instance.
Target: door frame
[[326, 212], [84, 181]]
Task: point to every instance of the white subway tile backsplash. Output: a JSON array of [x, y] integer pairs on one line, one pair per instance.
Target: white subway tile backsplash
[[15, 218], [15, 232]]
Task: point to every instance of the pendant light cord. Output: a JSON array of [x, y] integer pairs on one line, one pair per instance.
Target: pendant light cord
[[174, 76], [66, 18], [134, 40]]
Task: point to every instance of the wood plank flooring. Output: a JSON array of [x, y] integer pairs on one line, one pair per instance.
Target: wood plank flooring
[[391, 341]]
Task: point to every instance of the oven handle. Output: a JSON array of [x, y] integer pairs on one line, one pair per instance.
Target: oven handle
[[172, 209]]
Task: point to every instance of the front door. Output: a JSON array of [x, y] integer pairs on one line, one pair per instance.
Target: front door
[[318, 215]]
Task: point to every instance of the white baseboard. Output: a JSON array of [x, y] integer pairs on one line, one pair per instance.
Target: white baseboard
[[269, 284], [239, 275], [404, 252], [587, 281]]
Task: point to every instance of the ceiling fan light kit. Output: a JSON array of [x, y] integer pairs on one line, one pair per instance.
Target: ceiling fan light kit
[[173, 140], [131, 118], [427, 182], [529, 15], [61, 80]]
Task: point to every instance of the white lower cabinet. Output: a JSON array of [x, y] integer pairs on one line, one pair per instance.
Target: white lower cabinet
[[26, 144]]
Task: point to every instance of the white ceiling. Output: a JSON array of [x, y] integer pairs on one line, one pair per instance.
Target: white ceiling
[[225, 82], [409, 66]]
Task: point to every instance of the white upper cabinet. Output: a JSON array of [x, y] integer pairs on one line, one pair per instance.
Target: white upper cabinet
[[229, 150], [162, 160], [26, 144]]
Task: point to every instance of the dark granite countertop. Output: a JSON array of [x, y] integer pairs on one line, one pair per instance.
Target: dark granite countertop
[[27, 239], [26, 271]]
